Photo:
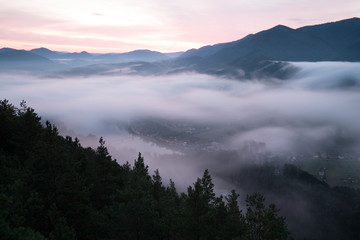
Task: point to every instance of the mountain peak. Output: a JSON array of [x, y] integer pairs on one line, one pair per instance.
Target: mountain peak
[[281, 28], [41, 48], [142, 51], [5, 49]]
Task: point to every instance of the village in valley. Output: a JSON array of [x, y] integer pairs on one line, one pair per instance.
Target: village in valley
[[332, 166]]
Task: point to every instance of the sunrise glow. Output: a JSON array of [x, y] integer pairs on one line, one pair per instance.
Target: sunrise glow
[[167, 26]]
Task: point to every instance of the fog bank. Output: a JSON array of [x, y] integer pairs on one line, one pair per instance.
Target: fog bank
[[319, 105]]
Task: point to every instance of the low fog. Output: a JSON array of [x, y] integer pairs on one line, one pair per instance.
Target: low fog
[[317, 107]]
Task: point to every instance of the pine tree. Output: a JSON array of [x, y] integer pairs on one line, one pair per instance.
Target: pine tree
[[263, 222], [199, 204], [235, 226]]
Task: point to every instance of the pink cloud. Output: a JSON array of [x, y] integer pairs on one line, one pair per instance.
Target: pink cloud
[[164, 26]]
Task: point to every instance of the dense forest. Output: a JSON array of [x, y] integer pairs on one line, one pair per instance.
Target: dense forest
[[53, 188]]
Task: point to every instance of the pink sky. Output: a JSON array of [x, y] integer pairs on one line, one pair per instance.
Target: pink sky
[[159, 25]]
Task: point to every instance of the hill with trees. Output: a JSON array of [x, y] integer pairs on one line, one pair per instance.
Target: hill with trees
[[53, 188]]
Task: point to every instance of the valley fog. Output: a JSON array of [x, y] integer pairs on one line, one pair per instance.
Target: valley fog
[[318, 107]]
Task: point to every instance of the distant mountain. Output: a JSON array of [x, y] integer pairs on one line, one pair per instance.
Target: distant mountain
[[23, 60], [21, 56], [36, 58], [44, 52], [76, 55], [113, 69], [60, 55], [5, 49], [133, 56], [83, 58], [174, 54], [145, 54]]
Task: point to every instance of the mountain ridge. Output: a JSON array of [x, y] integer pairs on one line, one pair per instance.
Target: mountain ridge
[[323, 42], [347, 23], [248, 57]]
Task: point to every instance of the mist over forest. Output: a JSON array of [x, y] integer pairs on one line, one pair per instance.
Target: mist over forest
[[189, 122], [316, 108]]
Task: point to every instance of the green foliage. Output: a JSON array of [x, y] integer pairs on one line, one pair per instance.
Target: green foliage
[[263, 222], [235, 222], [52, 188], [61, 229]]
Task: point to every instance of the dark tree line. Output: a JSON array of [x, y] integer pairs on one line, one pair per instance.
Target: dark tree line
[[52, 188]]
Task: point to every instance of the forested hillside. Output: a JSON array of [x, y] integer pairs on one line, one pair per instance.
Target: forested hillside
[[52, 188]]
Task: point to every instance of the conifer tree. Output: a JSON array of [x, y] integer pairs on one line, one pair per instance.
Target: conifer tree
[[263, 222]]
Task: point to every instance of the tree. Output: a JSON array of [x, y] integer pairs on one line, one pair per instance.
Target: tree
[[138, 203], [235, 226], [199, 206], [263, 222], [172, 214]]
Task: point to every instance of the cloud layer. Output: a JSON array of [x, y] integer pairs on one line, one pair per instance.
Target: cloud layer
[[319, 106], [319, 93]]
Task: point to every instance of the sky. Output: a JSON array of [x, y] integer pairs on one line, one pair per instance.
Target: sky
[[101, 26]]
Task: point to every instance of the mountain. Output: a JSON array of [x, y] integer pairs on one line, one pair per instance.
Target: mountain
[[85, 58], [261, 55], [21, 56], [5, 49], [338, 35], [133, 56], [145, 55], [36, 59], [76, 55], [265, 54], [44, 52], [325, 42], [350, 53], [210, 49], [174, 54], [23, 60]]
